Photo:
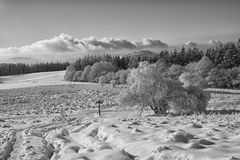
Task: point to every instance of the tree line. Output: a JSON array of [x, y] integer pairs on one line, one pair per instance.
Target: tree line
[[182, 57], [22, 68], [113, 69], [217, 67]]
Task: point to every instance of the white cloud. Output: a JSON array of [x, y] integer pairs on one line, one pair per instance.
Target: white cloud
[[214, 42], [64, 45], [151, 43], [191, 44], [118, 44]]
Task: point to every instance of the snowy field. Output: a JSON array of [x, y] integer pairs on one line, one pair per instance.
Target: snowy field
[[34, 79], [58, 120]]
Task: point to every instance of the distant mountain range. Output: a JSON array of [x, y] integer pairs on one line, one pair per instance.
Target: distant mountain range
[[143, 53]]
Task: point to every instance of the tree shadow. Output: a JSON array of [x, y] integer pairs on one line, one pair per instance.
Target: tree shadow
[[222, 111], [235, 92]]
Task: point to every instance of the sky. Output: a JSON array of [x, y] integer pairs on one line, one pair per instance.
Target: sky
[[172, 21], [31, 27]]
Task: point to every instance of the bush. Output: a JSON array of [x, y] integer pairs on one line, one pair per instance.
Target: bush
[[199, 96], [190, 67], [100, 69], [121, 76], [235, 77], [149, 88], [102, 80], [69, 72], [113, 82], [204, 66], [109, 76], [175, 71], [192, 79], [224, 78], [194, 99], [77, 76], [85, 74]]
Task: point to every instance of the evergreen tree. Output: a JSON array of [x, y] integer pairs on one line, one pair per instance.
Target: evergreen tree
[[231, 56]]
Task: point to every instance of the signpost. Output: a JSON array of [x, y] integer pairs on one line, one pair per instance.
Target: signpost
[[99, 102]]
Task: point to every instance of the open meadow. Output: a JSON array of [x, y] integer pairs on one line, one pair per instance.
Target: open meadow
[[60, 121]]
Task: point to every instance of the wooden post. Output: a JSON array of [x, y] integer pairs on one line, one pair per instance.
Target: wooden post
[[99, 110], [99, 102]]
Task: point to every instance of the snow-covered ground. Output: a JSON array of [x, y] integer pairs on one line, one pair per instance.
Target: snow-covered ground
[[60, 122], [34, 79], [124, 136]]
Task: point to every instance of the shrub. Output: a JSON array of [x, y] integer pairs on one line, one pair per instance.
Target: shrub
[[235, 77], [85, 74], [224, 78], [119, 77], [102, 80], [204, 66], [100, 69], [199, 96], [194, 99], [109, 76], [192, 79], [77, 76], [196, 73], [149, 88], [69, 72], [190, 67], [175, 71], [113, 82], [218, 78], [123, 76]]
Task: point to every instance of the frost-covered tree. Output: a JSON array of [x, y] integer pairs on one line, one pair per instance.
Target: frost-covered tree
[[192, 79], [113, 82], [109, 76], [69, 72], [218, 78], [123, 74], [204, 66], [100, 69], [102, 80], [77, 76], [196, 73], [175, 71], [190, 67], [147, 87], [224, 78], [234, 77], [85, 74]]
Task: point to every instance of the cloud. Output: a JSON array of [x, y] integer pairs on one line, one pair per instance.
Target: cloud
[[61, 43], [108, 43], [120, 44], [150, 43], [191, 44], [64, 44], [214, 42]]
